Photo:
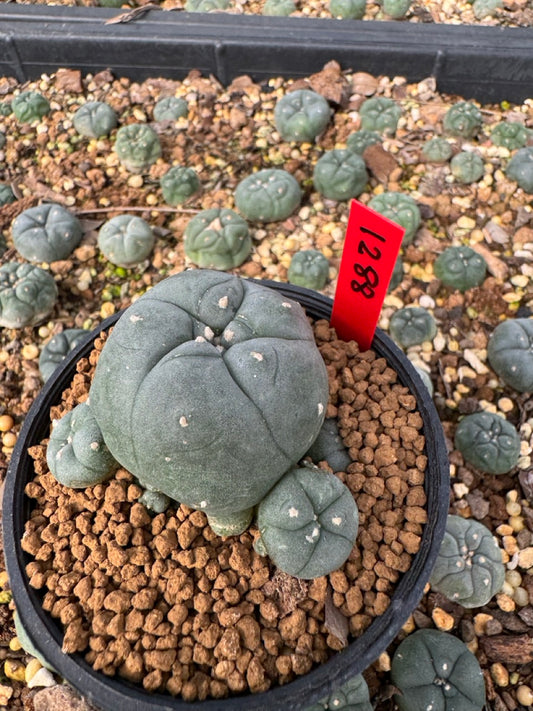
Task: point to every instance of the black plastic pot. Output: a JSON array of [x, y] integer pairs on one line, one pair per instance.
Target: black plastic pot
[[113, 694], [490, 64]]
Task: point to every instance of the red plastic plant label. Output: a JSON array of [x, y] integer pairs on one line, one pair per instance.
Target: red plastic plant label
[[371, 248]]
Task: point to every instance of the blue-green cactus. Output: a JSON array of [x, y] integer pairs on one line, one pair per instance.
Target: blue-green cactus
[[269, 195], [6, 194], [76, 454], [46, 233], [509, 134], [206, 5], [463, 119], [5, 108], [126, 240], [397, 9], [397, 274], [2, 139], [520, 168], [469, 568], [380, 114], [308, 522], [467, 167], [27, 295], [437, 150], [329, 447], [399, 208], [510, 353], [137, 146], [55, 350], [178, 184], [351, 696], [426, 379], [435, 670], [488, 442], [155, 501], [340, 174], [359, 141], [30, 106], [348, 9], [460, 267], [309, 268], [278, 8], [217, 238], [301, 115], [170, 108], [486, 8], [95, 119], [412, 325]]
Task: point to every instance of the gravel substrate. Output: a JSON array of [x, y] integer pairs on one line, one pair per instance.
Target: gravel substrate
[[228, 133]]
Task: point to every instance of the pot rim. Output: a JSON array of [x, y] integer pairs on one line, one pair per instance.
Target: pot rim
[[117, 694]]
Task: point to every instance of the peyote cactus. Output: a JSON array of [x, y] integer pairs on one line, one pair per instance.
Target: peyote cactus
[[348, 9], [55, 350], [178, 184], [486, 8], [462, 119], [309, 268], [380, 114], [351, 696], [125, 240], [27, 295], [269, 195], [469, 568], [509, 134], [397, 274], [412, 325], [399, 208], [5, 108], [520, 168], [460, 267], [76, 454], [437, 150], [170, 108], [329, 447], [278, 8], [340, 174], [203, 408], [95, 119], [308, 522], [435, 670], [217, 238], [6, 194], [206, 5], [301, 115], [30, 106], [489, 442], [467, 167], [397, 9], [2, 139], [137, 146], [426, 379], [358, 141], [46, 233], [510, 353]]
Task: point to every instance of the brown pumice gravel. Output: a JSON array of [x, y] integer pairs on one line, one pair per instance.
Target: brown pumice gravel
[[161, 600]]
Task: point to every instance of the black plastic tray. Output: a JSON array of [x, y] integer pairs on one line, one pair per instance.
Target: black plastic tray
[[490, 64]]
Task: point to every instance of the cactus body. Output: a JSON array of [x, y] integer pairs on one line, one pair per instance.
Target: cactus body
[[329, 447], [125, 240], [462, 119], [6, 194], [467, 167], [309, 268], [488, 441], [301, 115], [30, 106], [278, 8], [399, 208], [137, 146], [348, 9], [460, 267], [358, 141], [27, 294], [437, 150], [170, 108], [412, 325], [95, 119], [269, 195], [509, 134], [55, 350], [351, 696], [340, 174], [178, 184], [520, 168], [380, 114], [46, 233], [217, 238], [397, 9], [510, 353]]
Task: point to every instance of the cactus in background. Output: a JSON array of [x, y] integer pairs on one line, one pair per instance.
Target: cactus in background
[[137, 146], [46, 233], [278, 8], [520, 168], [467, 167], [125, 240], [397, 9], [178, 184], [510, 353], [55, 350], [6, 194], [463, 119], [95, 119], [486, 8], [358, 141], [269, 195], [348, 9], [170, 108], [488, 442], [27, 295], [308, 522], [301, 115], [351, 696], [340, 174], [30, 106], [380, 114], [397, 274], [437, 150], [206, 5], [309, 268], [5, 108], [399, 208], [217, 238], [460, 268], [509, 134], [412, 325]]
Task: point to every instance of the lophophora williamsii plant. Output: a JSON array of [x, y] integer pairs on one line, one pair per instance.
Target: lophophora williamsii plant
[[211, 390]]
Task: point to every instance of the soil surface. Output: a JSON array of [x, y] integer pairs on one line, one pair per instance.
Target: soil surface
[[228, 133]]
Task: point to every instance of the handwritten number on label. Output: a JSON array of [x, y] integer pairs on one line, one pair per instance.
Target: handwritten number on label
[[368, 274]]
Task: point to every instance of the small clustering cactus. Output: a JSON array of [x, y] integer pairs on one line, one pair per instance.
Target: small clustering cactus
[[412, 325], [329, 447], [397, 9], [46, 233], [380, 114], [95, 119], [309, 268], [520, 168], [178, 184], [6, 194], [463, 119], [351, 696], [57, 348], [509, 134], [467, 167], [301, 115], [358, 141], [170, 108], [510, 353], [137, 146], [30, 106], [469, 568], [348, 9], [435, 670], [399, 208], [206, 5], [125, 240], [27, 295], [340, 174], [488, 442], [308, 522], [437, 150], [269, 195], [278, 8], [217, 238], [460, 267]]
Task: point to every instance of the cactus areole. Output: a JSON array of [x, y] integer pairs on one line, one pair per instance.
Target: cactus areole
[[209, 389]]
